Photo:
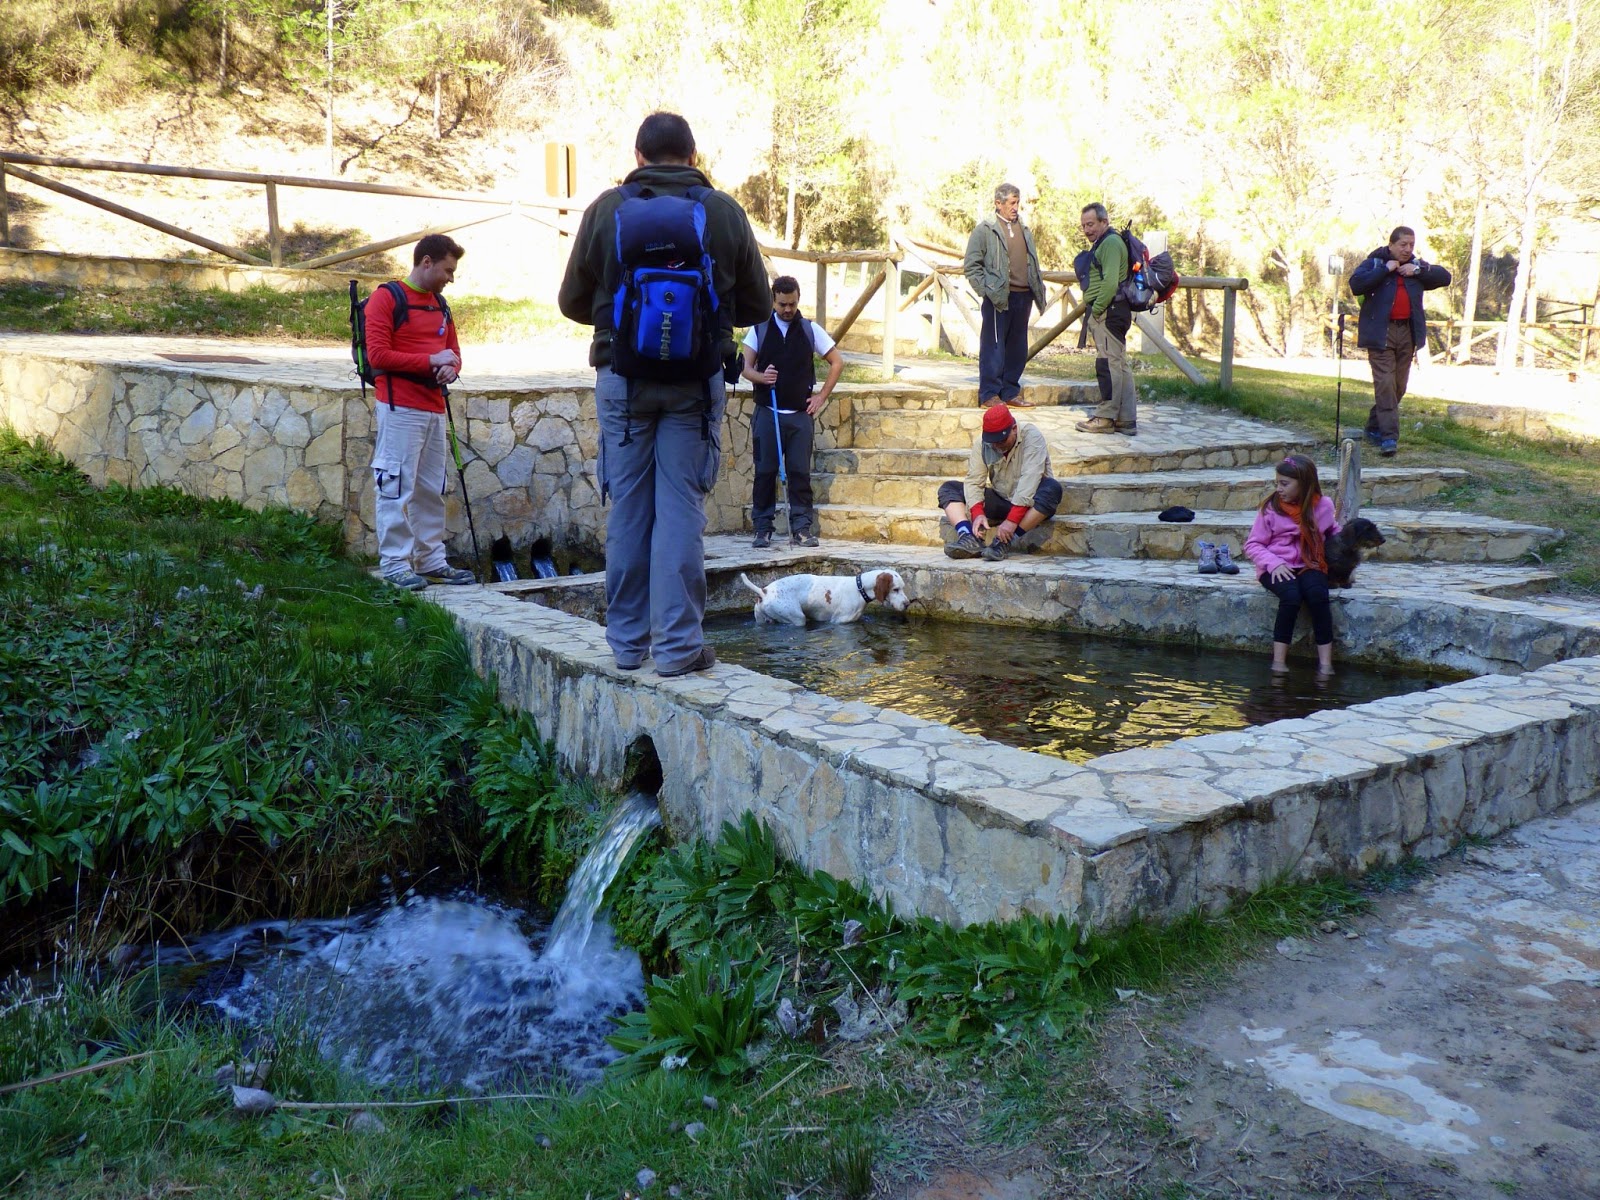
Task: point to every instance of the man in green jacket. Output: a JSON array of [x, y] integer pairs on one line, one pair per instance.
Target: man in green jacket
[[1002, 266], [1110, 318]]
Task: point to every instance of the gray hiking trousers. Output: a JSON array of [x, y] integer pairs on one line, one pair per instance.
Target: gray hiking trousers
[[658, 460]]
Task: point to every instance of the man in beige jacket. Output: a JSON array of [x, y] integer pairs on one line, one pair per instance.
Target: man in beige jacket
[[1008, 485]]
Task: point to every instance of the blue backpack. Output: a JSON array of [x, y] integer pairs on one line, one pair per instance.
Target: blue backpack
[[664, 314]]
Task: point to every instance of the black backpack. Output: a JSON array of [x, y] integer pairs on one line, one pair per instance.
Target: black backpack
[[1151, 280], [664, 311], [402, 309]]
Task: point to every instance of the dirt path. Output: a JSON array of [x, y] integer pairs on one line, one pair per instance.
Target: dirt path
[[1442, 1046]]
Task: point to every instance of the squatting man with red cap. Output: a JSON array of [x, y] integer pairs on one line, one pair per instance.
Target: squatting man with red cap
[[1008, 486]]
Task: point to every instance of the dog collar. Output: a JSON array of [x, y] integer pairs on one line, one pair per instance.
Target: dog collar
[[865, 595]]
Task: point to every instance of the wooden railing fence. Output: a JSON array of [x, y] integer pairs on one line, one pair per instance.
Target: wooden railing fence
[[939, 265]]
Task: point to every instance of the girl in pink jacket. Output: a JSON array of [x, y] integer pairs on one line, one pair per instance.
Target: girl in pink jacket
[[1286, 545]]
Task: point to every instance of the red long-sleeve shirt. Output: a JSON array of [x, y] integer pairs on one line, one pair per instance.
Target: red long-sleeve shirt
[[408, 348]]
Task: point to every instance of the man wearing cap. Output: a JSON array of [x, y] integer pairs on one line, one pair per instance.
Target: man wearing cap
[[1008, 485]]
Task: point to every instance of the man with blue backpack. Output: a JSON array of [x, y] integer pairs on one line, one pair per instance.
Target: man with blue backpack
[[664, 267]]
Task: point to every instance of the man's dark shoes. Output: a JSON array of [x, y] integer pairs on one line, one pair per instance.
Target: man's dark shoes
[[704, 661], [763, 540], [804, 539], [1389, 447], [996, 551], [966, 545], [1128, 428]]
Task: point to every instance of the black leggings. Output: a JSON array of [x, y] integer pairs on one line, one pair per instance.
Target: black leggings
[[1309, 587]]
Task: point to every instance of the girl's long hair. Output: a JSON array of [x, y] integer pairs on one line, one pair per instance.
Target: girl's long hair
[[1303, 471]]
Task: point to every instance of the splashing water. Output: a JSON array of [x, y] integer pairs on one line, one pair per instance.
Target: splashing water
[[437, 992], [633, 818]]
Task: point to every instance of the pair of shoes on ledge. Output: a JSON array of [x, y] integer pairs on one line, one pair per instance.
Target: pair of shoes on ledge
[[1216, 559]]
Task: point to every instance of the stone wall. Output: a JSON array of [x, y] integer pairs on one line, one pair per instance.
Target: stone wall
[[530, 453], [103, 270], [255, 443]]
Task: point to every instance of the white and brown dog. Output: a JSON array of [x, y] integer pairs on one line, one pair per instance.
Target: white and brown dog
[[827, 599]]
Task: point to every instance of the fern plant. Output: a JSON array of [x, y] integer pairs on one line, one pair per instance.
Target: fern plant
[[702, 1018]]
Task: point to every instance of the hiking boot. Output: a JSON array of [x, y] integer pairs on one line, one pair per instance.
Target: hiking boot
[[704, 661], [1208, 558], [405, 578], [1389, 447], [1096, 425], [1225, 563], [966, 545], [453, 576], [804, 539], [763, 540], [996, 551], [1373, 436]]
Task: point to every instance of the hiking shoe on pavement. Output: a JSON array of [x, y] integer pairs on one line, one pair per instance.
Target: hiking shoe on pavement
[[1019, 402], [407, 579], [803, 539], [1225, 563], [1128, 428], [1389, 447], [704, 661], [1208, 558], [454, 576], [1096, 425], [966, 545], [996, 551], [763, 540]]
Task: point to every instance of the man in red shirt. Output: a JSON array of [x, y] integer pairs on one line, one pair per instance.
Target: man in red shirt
[[414, 363]]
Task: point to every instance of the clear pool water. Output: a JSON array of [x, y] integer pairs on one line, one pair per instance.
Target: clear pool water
[[1064, 694]]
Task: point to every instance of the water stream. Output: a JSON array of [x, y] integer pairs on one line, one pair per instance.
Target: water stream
[[436, 991]]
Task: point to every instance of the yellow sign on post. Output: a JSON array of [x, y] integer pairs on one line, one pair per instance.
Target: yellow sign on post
[[560, 170]]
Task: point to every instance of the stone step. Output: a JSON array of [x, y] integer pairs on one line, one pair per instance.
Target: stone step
[[1229, 489], [1171, 437], [865, 460], [1413, 535]]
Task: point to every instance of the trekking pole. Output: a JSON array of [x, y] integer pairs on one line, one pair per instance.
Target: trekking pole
[[1338, 387], [783, 470], [461, 474]]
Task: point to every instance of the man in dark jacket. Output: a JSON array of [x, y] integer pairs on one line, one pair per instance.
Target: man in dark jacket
[[660, 442], [1392, 326]]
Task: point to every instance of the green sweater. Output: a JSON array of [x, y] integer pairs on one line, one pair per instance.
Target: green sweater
[[1109, 269]]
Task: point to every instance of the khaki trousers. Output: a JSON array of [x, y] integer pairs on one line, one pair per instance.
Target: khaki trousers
[[408, 475], [1391, 371], [1123, 407]]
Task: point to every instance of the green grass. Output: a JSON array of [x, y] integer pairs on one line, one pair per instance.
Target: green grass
[[217, 710], [258, 312]]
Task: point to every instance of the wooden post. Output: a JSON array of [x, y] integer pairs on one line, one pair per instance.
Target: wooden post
[[1230, 302], [1347, 496], [855, 309], [938, 311], [1057, 329], [5, 209], [819, 306], [274, 234], [891, 310]]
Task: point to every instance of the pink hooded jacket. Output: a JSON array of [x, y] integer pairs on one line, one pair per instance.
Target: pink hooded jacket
[[1274, 539]]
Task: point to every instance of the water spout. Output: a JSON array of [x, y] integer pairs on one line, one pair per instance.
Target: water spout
[[633, 818]]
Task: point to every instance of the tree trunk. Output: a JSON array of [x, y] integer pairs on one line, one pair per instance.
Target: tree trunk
[[436, 76], [333, 167], [1294, 332], [222, 56], [1519, 291], [1530, 317], [1469, 307], [788, 216]]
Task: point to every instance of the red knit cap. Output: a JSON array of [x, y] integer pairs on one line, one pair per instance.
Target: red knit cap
[[997, 422]]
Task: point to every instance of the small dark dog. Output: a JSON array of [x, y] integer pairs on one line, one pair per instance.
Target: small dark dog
[[1344, 549]]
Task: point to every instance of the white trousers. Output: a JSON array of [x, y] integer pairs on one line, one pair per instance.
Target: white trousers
[[408, 474]]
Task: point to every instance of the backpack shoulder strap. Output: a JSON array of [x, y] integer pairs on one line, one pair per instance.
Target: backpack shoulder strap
[[444, 308], [629, 190], [402, 306]]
